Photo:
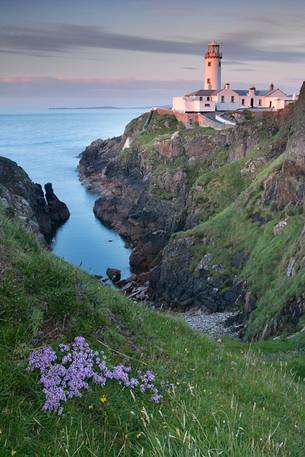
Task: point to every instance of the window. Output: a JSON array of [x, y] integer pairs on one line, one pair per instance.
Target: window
[[206, 104], [260, 102], [222, 99], [243, 101], [219, 63], [208, 99], [208, 81], [209, 64], [232, 99], [200, 98]]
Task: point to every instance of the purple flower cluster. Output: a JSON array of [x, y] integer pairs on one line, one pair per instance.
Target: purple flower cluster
[[67, 378]]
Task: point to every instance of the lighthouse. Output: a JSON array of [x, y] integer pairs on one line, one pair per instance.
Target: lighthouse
[[212, 64], [213, 98]]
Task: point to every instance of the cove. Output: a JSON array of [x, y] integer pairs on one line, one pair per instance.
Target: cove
[[47, 146]]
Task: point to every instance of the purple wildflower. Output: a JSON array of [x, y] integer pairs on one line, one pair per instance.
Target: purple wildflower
[[156, 398], [70, 377]]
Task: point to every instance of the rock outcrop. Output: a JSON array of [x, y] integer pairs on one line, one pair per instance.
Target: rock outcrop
[[194, 204], [296, 142], [144, 189], [58, 210], [20, 197]]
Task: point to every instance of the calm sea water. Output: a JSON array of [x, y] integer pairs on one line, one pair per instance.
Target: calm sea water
[[46, 145]]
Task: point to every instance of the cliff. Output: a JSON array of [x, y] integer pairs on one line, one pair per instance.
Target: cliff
[[215, 217], [40, 214]]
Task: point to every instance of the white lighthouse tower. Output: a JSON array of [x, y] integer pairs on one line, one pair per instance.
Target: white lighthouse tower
[[212, 63]]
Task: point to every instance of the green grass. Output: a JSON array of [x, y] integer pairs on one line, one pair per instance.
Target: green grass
[[229, 398], [227, 208], [229, 203], [197, 132], [219, 187]]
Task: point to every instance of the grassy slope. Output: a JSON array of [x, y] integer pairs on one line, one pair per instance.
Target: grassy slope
[[231, 202], [229, 400], [225, 202]]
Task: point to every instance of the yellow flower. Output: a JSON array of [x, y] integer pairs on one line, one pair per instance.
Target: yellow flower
[[90, 407], [103, 399], [13, 452], [139, 435]]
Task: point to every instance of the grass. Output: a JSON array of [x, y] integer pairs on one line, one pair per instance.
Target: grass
[[229, 399], [228, 204], [232, 220], [219, 187]]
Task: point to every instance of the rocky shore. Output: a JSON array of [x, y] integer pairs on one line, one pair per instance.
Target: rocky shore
[[215, 324], [194, 203], [40, 213]]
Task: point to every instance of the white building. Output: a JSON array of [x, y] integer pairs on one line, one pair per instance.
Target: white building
[[214, 98]]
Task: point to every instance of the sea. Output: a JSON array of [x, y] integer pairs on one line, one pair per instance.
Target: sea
[[47, 146]]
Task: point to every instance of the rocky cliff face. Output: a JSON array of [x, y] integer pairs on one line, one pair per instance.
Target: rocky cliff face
[[20, 197], [202, 208]]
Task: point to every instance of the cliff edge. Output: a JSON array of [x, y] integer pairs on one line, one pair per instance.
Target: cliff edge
[[215, 217]]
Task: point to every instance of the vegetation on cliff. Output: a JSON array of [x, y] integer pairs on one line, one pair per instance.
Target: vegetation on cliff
[[229, 398], [230, 206]]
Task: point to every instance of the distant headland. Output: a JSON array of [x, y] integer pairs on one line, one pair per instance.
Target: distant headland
[[103, 107]]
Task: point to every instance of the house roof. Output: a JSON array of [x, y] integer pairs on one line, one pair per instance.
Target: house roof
[[245, 92], [275, 90], [202, 93], [242, 92]]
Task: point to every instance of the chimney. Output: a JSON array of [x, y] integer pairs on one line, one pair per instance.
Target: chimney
[[227, 86], [271, 87]]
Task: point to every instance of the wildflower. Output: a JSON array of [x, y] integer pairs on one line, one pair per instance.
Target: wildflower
[[156, 398], [13, 452], [64, 348], [68, 375], [139, 435], [103, 399]]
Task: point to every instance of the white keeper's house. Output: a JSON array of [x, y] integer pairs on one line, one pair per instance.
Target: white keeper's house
[[215, 98]]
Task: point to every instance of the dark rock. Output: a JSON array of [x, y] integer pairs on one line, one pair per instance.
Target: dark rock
[[176, 284], [58, 210], [114, 274], [285, 186], [287, 319], [296, 143], [239, 259], [27, 201]]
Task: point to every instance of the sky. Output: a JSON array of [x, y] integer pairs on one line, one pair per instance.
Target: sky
[[142, 52]]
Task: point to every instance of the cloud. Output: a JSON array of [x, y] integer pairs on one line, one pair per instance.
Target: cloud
[[243, 70], [19, 52], [265, 20], [62, 38]]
